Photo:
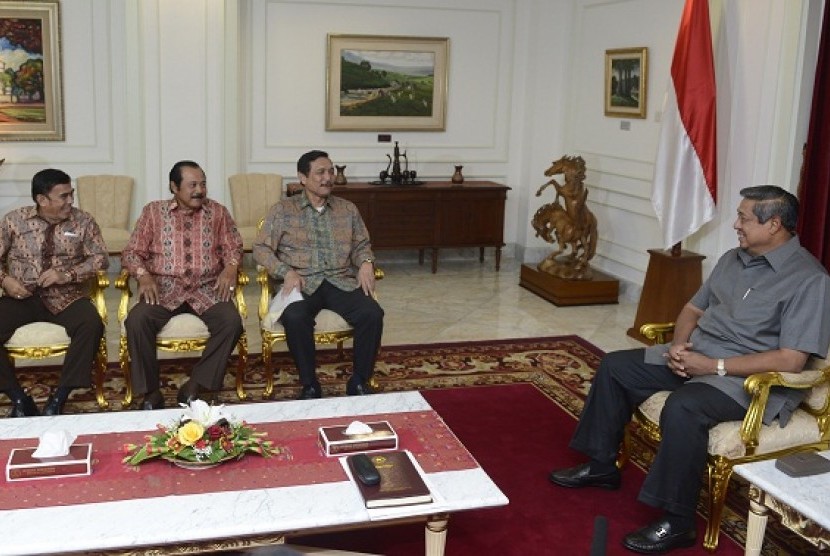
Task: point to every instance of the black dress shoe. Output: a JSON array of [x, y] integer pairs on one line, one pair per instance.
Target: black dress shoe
[[54, 405], [152, 400], [188, 392], [358, 389], [24, 407], [311, 392], [581, 476], [659, 537]]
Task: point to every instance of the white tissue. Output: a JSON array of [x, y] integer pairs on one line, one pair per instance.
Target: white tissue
[[278, 304], [54, 444], [357, 427]]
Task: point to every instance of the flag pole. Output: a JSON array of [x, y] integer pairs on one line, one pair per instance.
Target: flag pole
[[676, 249]]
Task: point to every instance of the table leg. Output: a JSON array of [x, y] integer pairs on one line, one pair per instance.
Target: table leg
[[421, 257], [756, 524], [498, 258], [434, 260], [435, 534], [481, 254]]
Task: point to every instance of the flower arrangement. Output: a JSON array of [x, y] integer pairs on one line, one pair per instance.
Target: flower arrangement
[[203, 435]]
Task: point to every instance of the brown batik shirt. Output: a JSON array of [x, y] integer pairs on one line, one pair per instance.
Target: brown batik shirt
[[319, 245], [184, 250], [29, 246]]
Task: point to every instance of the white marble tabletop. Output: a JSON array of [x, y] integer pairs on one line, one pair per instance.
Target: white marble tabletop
[[810, 496], [221, 515]]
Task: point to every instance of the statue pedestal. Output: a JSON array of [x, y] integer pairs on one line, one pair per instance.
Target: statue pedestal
[[670, 283], [602, 289]]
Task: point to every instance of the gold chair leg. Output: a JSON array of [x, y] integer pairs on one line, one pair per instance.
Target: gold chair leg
[[267, 348], [242, 365], [100, 371], [124, 360], [719, 474]]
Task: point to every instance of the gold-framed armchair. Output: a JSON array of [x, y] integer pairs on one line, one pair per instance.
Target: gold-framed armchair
[[329, 328], [40, 340], [182, 334], [251, 197], [736, 442]]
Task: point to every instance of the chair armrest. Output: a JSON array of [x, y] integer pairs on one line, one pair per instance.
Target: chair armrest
[[97, 285], [264, 282], [242, 280], [657, 331], [758, 387]]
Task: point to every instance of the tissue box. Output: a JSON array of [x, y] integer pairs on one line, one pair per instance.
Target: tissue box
[[335, 441], [23, 466]]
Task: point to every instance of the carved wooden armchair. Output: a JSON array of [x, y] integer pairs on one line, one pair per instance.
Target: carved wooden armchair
[[735, 442], [330, 328], [39, 340], [182, 334]]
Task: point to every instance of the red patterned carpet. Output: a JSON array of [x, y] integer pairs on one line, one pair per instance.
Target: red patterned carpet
[[514, 404]]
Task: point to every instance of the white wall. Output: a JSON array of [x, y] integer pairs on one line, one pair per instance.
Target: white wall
[[239, 85]]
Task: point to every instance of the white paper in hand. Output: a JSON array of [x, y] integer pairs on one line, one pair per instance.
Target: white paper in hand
[[54, 443], [278, 305]]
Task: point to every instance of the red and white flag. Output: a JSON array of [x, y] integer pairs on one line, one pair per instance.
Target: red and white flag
[[685, 173]]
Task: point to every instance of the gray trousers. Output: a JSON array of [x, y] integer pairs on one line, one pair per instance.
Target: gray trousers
[[623, 381], [143, 323]]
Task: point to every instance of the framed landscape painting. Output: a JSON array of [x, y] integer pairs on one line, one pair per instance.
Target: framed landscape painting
[[626, 72], [31, 105], [386, 83]]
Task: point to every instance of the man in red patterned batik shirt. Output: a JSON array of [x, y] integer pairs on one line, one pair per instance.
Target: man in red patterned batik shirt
[[184, 253]]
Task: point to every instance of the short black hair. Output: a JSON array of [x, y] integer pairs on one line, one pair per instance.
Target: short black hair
[[771, 201], [176, 170], [304, 162], [44, 181]]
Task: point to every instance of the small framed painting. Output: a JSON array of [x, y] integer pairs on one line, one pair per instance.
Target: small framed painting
[[386, 83], [31, 104], [626, 79]]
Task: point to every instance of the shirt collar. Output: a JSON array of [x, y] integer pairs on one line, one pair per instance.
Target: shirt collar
[[174, 204], [305, 202], [777, 256], [31, 212]]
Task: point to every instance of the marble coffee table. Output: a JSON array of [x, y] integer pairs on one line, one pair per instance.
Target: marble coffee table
[[231, 519]]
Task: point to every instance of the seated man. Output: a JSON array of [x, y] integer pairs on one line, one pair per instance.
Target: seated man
[[184, 253], [318, 243], [47, 252], [766, 306]]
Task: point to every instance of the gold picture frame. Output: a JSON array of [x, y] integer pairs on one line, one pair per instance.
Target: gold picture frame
[[386, 83], [31, 100], [626, 82]]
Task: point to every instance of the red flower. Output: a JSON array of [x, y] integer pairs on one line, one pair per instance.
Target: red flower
[[215, 432]]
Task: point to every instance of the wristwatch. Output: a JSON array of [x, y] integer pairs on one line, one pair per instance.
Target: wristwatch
[[721, 367]]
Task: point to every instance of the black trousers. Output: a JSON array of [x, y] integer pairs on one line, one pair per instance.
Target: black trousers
[[83, 326], [144, 322], [362, 313], [622, 382]]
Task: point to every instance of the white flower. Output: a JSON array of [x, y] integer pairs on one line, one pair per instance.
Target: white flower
[[202, 413]]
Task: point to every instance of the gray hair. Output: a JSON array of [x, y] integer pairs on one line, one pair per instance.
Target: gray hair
[[771, 201]]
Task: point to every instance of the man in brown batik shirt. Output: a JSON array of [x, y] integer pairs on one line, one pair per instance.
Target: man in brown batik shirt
[[47, 253]]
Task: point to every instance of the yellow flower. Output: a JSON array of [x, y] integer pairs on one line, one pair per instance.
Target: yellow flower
[[190, 432]]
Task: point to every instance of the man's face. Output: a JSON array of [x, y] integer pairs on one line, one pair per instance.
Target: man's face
[[753, 236], [193, 189], [57, 205], [319, 181]]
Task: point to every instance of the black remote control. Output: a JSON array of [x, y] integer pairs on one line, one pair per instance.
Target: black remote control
[[364, 469]]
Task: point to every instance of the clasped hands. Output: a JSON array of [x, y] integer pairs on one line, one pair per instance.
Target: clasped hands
[[14, 288], [686, 363]]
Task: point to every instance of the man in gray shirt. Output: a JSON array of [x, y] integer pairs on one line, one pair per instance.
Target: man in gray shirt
[[766, 305]]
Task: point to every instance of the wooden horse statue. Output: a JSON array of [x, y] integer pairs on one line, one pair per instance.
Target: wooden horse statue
[[573, 226]]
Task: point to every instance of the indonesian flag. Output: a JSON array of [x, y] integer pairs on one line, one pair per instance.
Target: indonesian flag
[[685, 173]]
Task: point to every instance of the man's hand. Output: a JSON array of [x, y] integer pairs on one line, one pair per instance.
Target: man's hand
[[226, 283], [677, 358], [366, 278], [52, 277], [148, 290], [14, 288], [291, 280]]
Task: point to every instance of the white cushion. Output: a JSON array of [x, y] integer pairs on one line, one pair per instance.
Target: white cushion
[[184, 326], [38, 334], [327, 321], [725, 438]]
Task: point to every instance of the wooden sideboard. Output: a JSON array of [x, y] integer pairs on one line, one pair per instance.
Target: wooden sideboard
[[432, 215]]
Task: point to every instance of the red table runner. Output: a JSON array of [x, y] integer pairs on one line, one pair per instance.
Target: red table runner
[[302, 462]]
